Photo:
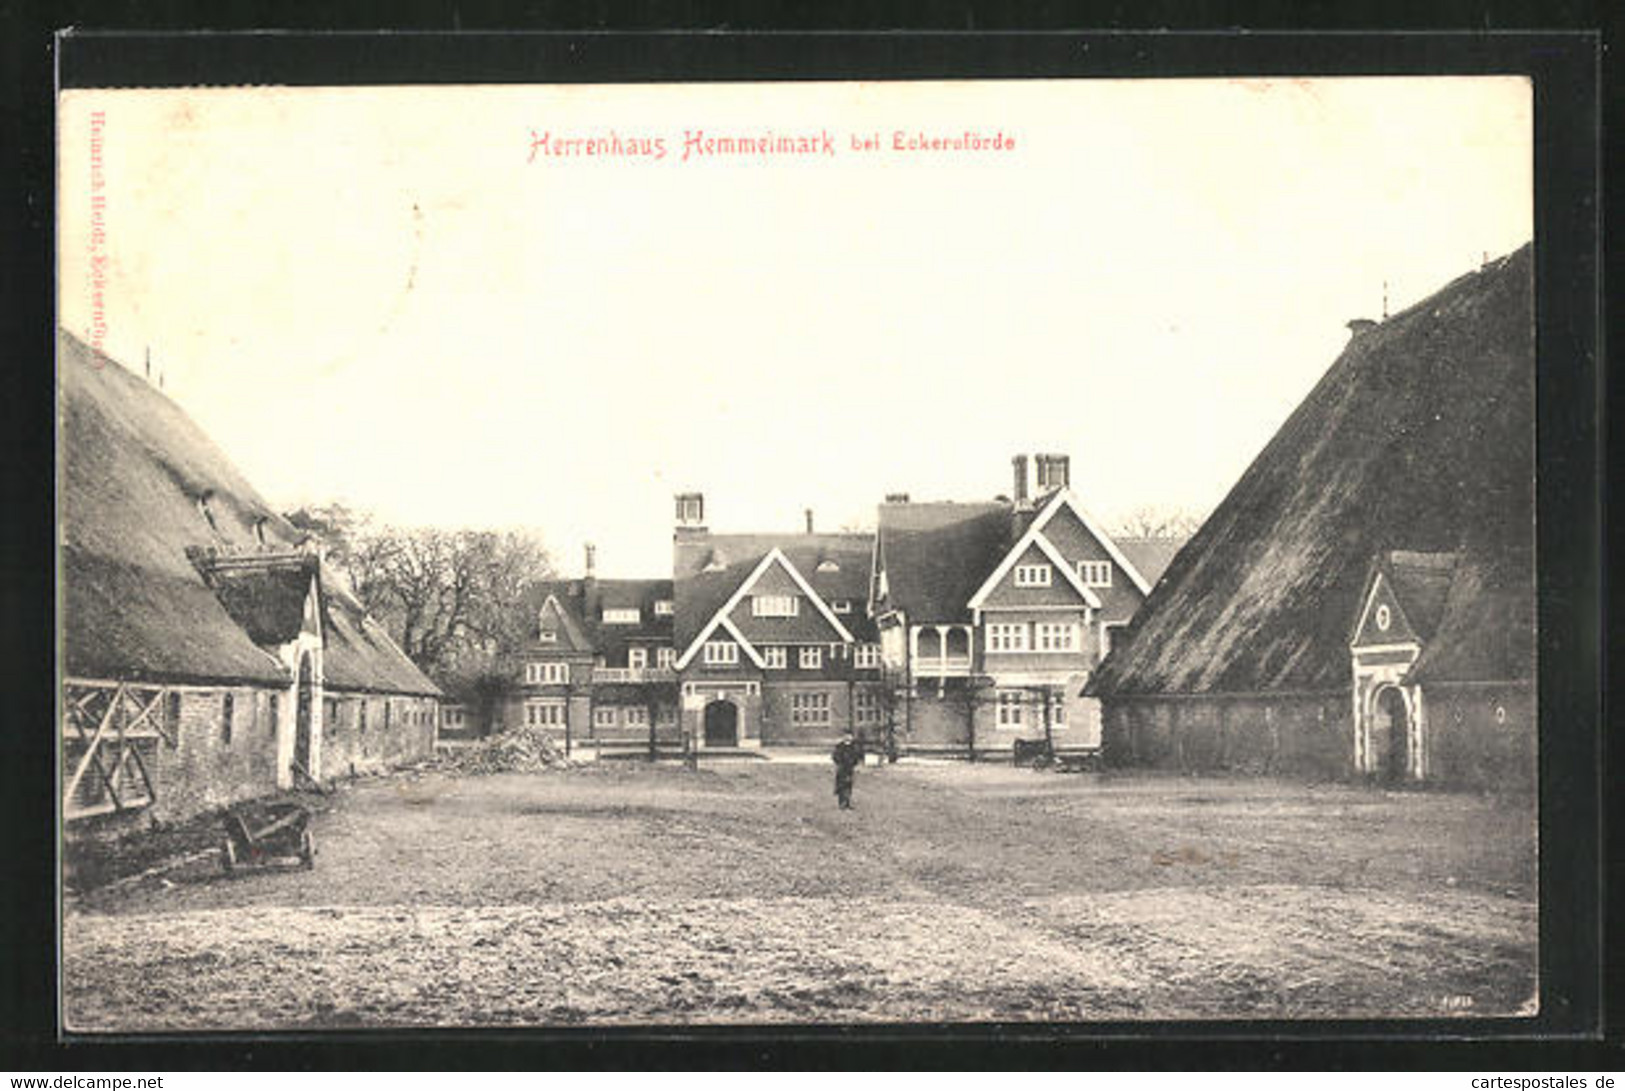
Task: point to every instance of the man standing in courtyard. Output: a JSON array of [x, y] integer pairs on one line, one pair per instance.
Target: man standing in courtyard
[[848, 755]]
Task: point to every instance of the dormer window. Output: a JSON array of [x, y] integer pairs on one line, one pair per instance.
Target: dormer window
[[828, 566], [775, 605], [841, 606], [715, 564], [1095, 573], [259, 530], [1032, 575], [549, 636], [663, 608], [622, 616], [204, 510]]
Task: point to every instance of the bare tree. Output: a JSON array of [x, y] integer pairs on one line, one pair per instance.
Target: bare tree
[[1151, 521]]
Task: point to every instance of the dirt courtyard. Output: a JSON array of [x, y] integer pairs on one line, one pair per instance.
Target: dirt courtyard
[[634, 894]]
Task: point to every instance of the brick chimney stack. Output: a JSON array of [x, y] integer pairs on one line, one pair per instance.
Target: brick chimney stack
[[897, 498], [809, 521], [592, 560], [1053, 472], [1018, 489], [689, 538]]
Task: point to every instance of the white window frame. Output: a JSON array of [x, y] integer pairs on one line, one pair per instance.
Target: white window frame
[[866, 656], [636, 716], [622, 615], [547, 673], [811, 658], [841, 606], [544, 713], [637, 658], [1055, 636], [810, 709], [665, 657], [721, 653], [776, 657], [1034, 575], [1009, 708], [866, 707], [775, 605], [548, 636], [603, 716], [1095, 573], [1007, 636], [664, 608]]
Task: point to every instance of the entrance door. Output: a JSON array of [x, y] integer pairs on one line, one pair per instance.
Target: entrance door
[[1391, 737], [721, 724], [302, 711]]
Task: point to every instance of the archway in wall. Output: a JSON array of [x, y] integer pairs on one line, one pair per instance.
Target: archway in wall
[[1390, 736], [721, 723]]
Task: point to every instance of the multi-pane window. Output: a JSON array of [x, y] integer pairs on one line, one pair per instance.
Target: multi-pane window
[[811, 658], [809, 708], [603, 717], [547, 674], [1055, 636], [637, 658], [721, 653], [665, 657], [637, 716], [540, 714], [622, 615], [775, 605], [1095, 573], [1009, 705], [866, 707], [776, 658], [1032, 575], [865, 656], [663, 608], [1057, 711], [1007, 637]]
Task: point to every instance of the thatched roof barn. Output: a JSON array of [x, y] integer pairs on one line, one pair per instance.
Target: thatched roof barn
[[180, 586], [1418, 439]]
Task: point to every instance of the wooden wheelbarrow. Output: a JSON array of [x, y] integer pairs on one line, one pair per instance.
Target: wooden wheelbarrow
[[275, 834]]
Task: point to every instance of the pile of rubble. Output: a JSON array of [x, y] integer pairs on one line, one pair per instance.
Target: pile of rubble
[[516, 750]]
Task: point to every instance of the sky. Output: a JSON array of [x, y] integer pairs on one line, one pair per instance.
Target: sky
[[380, 296]]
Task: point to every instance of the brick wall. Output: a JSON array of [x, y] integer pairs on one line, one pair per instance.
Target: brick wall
[[1302, 736], [203, 770], [353, 744], [1482, 736]]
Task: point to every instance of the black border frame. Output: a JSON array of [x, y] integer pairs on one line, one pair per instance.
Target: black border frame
[[1565, 67]]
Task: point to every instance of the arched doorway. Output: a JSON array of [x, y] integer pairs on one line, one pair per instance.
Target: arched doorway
[[1390, 736], [302, 714], [721, 724]]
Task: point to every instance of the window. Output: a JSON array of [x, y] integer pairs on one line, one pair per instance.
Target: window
[[227, 707], [637, 716], [172, 715], [1384, 617], [842, 606], [361, 716], [866, 707], [664, 608], [603, 717], [547, 674], [1057, 711], [623, 615], [721, 653], [1055, 636], [665, 657], [829, 566], [1009, 705], [866, 656], [777, 658], [1032, 575], [667, 714], [811, 658], [275, 706], [775, 605], [548, 636], [1007, 637], [1095, 573], [809, 708], [637, 658], [540, 714]]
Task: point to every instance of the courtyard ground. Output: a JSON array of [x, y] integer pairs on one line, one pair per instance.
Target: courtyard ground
[[738, 893]]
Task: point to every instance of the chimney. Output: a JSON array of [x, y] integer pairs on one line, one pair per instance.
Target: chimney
[[1018, 467], [809, 521], [690, 541], [1053, 472], [897, 498], [691, 509], [592, 560]]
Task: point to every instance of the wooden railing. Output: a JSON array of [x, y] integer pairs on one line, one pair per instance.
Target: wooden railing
[[633, 674], [105, 726]]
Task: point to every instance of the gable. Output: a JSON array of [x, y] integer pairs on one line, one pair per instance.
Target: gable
[[1008, 593], [567, 637], [1075, 541], [1382, 605]]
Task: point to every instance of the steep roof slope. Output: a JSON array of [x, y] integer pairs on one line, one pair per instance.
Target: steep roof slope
[[836, 565], [1419, 437], [1151, 556], [140, 485], [936, 555]]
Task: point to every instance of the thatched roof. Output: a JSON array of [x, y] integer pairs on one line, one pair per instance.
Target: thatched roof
[[1420, 437], [143, 491]]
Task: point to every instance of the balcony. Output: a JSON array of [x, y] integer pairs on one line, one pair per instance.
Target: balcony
[[941, 666], [633, 674]]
